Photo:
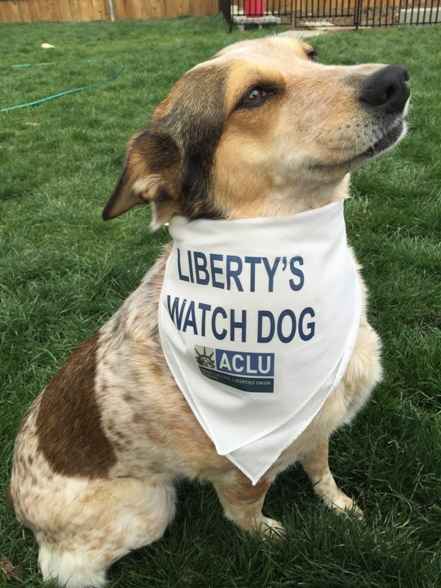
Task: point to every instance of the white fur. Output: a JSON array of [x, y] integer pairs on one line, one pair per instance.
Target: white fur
[[70, 569]]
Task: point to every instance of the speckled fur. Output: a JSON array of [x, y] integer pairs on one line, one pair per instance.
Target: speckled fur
[[83, 523]]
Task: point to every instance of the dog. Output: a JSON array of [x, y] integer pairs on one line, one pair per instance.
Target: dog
[[262, 129]]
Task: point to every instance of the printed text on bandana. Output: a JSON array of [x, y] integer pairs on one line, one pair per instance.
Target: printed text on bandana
[[248, 275]]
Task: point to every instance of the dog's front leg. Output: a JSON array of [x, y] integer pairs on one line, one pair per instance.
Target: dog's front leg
[[243, 502], [316, 465]]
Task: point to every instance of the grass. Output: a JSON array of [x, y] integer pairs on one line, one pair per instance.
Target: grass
[[63, 272]]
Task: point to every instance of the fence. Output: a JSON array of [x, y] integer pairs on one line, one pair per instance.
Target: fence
[[81, 10], [353, 13]]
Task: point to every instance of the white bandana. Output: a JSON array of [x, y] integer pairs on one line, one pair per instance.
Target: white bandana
[[258, 319]]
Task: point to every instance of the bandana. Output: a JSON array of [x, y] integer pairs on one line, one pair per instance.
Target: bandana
[[258, 319]]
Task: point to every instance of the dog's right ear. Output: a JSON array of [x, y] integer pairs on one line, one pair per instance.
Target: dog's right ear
[[151, 175]]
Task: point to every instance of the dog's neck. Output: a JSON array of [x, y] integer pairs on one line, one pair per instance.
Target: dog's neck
[[289, 201]]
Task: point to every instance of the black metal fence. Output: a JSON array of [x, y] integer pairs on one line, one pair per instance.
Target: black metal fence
[[342, 13]]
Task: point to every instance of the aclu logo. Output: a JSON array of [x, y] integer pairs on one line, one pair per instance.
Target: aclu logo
[[246, 371]]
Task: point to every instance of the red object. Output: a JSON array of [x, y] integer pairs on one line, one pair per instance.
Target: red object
[[254, 7]]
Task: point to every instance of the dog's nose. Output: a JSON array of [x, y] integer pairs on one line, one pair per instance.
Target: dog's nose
[[386, 89]]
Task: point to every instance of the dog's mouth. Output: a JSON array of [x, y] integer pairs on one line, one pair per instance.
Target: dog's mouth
[[388, 140], [390, 136]]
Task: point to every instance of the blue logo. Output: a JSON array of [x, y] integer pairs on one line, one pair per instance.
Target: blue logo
[[249, 372]]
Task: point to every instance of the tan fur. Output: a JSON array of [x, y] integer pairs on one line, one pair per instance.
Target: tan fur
[[87, 509]]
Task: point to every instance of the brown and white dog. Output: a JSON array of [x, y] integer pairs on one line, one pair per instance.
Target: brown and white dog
[[259, 130]]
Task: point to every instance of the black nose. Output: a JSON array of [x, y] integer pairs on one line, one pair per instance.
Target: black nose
[[386, 89]]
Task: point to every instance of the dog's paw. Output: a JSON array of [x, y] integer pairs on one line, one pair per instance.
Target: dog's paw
[[345, 505], [270, 529]]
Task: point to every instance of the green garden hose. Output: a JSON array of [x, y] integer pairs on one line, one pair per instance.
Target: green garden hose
[[58, 94]]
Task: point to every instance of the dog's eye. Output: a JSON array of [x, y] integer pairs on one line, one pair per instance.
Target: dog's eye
[[312, 54], [256, 97]]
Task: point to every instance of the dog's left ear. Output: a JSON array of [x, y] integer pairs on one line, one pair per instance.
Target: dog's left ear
[[150, 176]]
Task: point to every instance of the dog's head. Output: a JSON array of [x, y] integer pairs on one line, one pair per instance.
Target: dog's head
[[261, 129]]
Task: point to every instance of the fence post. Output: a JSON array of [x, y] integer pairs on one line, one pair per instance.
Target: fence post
[[225, 8], [357, 14], [111, 10]]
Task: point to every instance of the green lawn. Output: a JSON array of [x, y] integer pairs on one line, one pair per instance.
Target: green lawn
[[63, 272]]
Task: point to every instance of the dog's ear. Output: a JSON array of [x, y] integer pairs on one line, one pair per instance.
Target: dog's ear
[[151, 176]]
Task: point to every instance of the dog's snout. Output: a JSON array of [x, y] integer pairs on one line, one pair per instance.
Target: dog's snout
[[386, 89]]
